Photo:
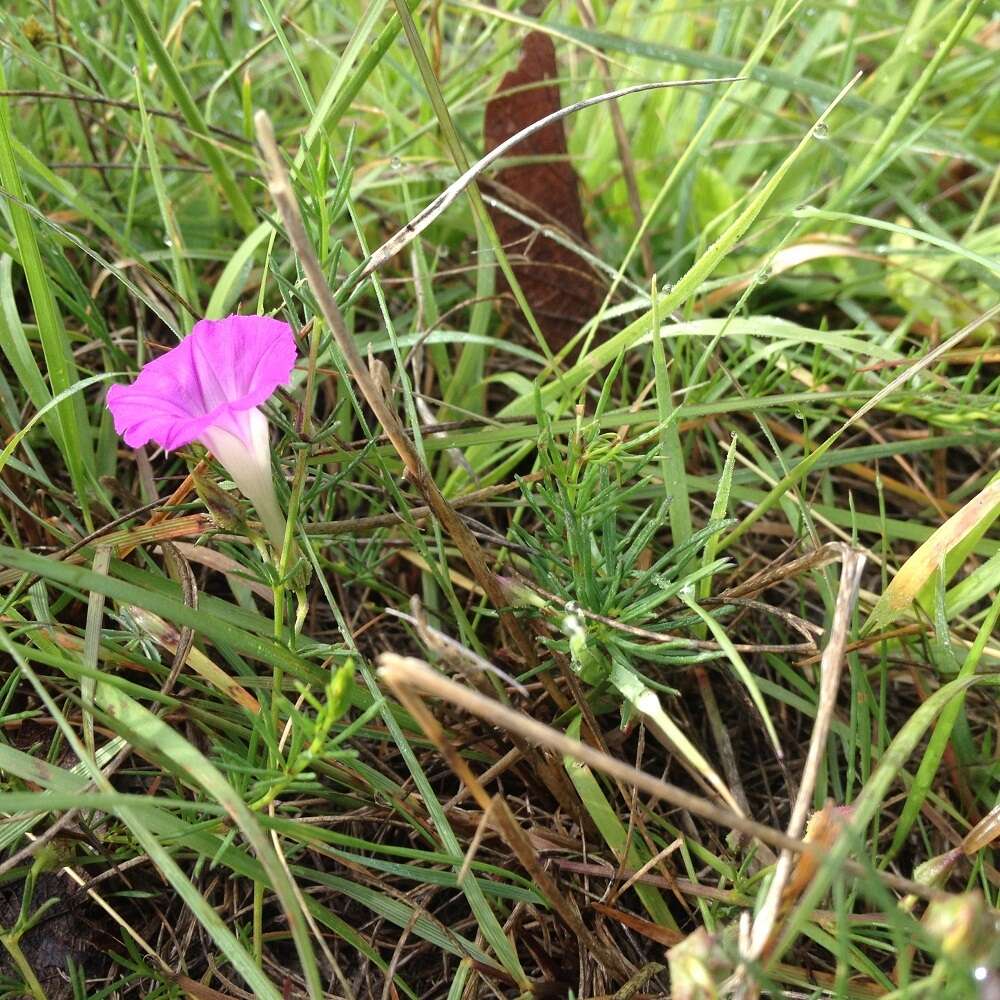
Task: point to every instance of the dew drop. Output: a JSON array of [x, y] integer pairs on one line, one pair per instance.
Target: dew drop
[[980, 973], [763, 276], [396, 163], [168, 242], [821, 130], [254, 25]]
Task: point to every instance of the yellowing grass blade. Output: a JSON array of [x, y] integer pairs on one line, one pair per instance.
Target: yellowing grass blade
[[948, 545], [167, 636], [646, 702], [983, 833]]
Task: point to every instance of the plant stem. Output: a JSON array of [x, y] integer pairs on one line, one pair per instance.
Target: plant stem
[[12, 942]]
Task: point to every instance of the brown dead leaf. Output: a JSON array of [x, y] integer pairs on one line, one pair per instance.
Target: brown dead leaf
[[662, 935], [822, 830], [559, 285]]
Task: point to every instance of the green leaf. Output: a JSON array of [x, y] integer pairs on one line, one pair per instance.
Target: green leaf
[[77, 452], [238, 203], [644, 700], [614, 833], [739, 665], [210, 625], [148, 730], [938, 742]]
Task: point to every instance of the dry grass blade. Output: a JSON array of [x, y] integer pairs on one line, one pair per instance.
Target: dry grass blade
[[983, 833], [177, 497], [511, 829], [406, 673], [969, 523], [180, 644], [771, 575], [419, 474], [830, 671]]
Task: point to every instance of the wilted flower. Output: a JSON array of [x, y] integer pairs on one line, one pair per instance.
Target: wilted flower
[[209, 389]]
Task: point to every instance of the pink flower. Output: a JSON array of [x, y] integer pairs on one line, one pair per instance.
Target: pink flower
[[209, 389]]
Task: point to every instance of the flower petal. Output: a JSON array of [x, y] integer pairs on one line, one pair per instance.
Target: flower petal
[[241, 444], [241, 360], [222, 368]]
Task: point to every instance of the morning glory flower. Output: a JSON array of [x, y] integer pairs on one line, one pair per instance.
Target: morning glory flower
[[209, 389]]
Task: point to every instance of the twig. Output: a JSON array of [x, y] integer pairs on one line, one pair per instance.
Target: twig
[[111, 102], [81, 543], [359, 524], [85, 126], [771, 575], [681, 641], [416, 470], [470, 664]]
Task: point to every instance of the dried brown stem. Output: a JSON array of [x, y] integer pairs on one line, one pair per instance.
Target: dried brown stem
[[406, 672], [416, 471], [77, 98], [830, 669], [511, 830]]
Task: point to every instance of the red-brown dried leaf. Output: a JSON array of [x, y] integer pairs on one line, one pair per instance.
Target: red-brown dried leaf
[[560, 286]]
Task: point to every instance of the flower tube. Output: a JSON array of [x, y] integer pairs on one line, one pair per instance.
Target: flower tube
[[209, 388]]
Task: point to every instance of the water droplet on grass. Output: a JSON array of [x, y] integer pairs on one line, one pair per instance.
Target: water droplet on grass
[[821, 130]]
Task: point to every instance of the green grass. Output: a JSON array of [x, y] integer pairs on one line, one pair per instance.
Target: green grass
[[813, 363]]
